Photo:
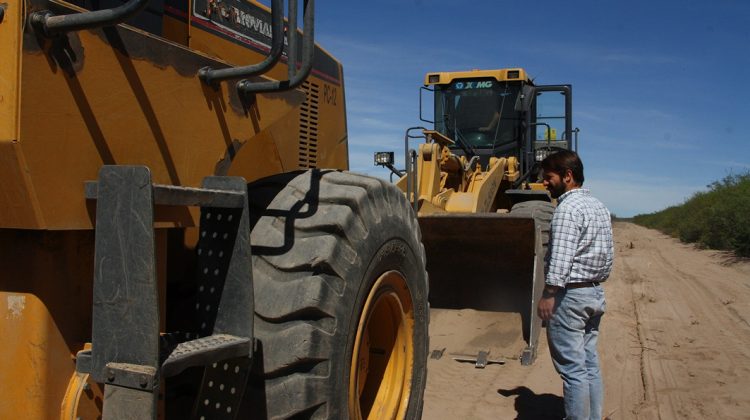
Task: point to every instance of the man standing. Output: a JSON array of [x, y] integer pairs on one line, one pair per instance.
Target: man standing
[[578, 259]]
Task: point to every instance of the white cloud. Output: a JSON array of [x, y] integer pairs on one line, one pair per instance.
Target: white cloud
[[625, 114], [377, 140], [731, 164], [672, 145], [376, 123], [590, 53], [631, 197], [639, 58]]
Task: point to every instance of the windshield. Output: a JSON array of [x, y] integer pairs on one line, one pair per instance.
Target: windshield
[[478, 112]]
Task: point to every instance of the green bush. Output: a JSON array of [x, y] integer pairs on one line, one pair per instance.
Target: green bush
[[718, 218]]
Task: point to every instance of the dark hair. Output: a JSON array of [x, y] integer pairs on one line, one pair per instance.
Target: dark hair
[[560, 162]]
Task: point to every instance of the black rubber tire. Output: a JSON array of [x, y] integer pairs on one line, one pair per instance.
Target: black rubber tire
[[540, 210], [320, 240]]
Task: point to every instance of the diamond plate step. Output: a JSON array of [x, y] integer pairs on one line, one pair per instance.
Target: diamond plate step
[[205, 351]]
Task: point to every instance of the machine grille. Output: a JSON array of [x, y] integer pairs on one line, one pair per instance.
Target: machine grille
[[308, 127]]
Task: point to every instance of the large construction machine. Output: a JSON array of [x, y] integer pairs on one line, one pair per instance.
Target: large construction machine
[[178, 235], [483, 210]]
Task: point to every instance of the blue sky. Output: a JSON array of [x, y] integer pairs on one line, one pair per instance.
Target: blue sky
[[660, 88]]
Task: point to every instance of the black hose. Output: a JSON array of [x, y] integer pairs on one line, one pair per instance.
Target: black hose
[[51, 25]]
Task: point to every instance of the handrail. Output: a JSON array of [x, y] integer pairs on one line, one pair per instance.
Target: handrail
[[420, 105], [567, 91], [296, 76], [212, 76], [51, 24], [549, 131], [410, 161]]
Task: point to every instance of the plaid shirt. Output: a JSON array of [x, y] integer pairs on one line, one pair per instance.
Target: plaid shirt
[[580, 242]]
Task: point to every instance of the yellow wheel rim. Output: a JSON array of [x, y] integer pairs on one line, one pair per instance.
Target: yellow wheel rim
[[383, 357]]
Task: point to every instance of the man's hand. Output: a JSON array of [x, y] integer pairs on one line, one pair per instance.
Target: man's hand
[[546, 308], [547, 303]]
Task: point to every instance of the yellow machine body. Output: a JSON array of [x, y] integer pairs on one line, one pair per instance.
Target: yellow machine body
[[123, 95], [447, 183], [483, 253]]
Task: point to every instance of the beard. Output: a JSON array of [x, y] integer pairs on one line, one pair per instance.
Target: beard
[[556, 190]]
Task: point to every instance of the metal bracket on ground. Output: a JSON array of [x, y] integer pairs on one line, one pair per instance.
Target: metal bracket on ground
[[480, 360]]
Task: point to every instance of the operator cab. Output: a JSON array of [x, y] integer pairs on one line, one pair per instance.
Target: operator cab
[[479, 113], [493, 113]]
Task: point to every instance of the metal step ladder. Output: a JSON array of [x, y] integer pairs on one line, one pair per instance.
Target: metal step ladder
[[129, 355]]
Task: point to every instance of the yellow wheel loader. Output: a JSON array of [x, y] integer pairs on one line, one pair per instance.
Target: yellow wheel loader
[[179, 237], [484, 213]]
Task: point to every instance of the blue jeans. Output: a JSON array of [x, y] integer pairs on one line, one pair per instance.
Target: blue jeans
[[572, 334]]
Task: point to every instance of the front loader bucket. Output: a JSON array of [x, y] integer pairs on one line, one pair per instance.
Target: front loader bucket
[[486, 274]]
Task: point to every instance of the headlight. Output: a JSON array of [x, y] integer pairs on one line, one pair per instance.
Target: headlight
[[383, 158], [542, 154]]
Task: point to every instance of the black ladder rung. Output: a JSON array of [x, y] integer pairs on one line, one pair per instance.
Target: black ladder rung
[[205, 351], [171, 195]]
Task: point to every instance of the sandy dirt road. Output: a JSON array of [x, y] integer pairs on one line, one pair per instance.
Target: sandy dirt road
[[675, 344]]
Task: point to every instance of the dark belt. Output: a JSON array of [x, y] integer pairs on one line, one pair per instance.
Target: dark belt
[[581, 284]]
